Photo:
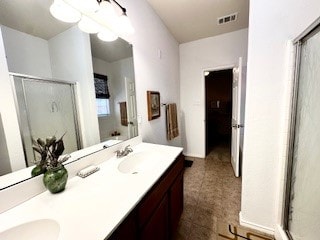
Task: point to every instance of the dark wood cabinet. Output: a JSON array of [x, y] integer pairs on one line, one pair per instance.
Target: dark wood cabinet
[[157, 226], [157, 215], [175, 203], [127, 229]]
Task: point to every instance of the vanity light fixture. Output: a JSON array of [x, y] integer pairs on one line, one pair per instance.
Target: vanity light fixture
[[64, 12], [107, 18]]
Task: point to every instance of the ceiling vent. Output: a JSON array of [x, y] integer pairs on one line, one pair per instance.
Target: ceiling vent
[[227, 19]]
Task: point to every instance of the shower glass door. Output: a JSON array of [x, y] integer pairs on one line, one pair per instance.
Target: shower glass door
[[46, 108], [303, 206]]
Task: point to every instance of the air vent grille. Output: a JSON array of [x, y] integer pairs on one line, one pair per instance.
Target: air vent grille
[[227, 19]]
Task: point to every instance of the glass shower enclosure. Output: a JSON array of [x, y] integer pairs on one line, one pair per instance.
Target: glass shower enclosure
[[303, 182], [46, 108]]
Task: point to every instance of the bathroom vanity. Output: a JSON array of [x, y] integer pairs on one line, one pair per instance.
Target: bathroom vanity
[[157, 214], [139, 196]]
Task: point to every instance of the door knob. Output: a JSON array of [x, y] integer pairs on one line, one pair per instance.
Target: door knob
[[237, 125]]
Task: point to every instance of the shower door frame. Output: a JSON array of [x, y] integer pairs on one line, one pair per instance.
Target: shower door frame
[[313, 29], [73, 87]]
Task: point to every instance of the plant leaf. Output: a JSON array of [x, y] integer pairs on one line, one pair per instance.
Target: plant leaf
[[37, 149], [41, 142], [43, 156], [59, 148], [34, 142], [62, 136], [63, 158], [50, 141]]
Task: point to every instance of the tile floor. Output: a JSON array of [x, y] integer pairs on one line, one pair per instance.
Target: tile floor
[[211, 195]]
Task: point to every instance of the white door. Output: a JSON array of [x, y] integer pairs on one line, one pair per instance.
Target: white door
[[236, 118], [131, 108]]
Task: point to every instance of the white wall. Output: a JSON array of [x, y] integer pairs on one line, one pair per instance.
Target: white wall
[[5, 166], [195, 57], [151, 72], [272, 23], [26, 54], [9, 116], [71, 60]]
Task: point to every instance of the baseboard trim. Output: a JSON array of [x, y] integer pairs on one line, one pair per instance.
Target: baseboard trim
[[254, 226], [190, 155], [280, 234]]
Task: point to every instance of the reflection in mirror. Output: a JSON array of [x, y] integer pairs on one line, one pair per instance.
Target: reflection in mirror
[[114, 62], [51, 87], [46, 108]]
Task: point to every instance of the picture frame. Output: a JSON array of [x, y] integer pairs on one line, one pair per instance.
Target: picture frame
[[153, 99]]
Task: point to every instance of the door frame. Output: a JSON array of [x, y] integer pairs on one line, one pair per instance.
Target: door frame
[[314, 28], [74, 92], [209, 69]]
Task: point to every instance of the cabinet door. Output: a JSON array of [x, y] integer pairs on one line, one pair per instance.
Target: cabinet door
[[175, 203], [127, 229], [157, 227]]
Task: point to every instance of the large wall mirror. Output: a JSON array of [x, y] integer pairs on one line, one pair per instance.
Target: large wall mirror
[[60, 81]]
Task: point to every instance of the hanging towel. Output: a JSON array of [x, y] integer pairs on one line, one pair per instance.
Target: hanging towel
[[123, 113], [172, 121]]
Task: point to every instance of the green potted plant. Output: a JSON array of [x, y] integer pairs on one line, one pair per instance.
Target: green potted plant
[[39, 147], [55, 174]]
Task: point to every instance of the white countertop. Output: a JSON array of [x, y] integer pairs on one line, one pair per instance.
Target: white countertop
[[93, 207]]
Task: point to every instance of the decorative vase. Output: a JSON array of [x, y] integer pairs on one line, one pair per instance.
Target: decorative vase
[[38, 170], [55, 179]]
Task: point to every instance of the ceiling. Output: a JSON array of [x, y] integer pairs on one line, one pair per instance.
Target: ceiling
[[192, 20], [33, 17], [187, 20]]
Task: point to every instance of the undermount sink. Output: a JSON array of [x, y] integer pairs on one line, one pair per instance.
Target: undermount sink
[[139, 162], [35, 230]]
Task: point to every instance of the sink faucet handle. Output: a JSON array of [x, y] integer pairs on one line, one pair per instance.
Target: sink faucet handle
[[118, 152], [128, 148]]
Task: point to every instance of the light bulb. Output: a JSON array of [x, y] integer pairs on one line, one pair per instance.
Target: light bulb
[[85, 5], [106, 9], [107, 15], [106, 35], [63, 12], [124, 24], [88, 25]]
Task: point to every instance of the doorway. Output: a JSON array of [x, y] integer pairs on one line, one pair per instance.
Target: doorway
[[218, 108]]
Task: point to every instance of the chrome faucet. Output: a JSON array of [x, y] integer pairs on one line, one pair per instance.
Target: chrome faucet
[[125, 152]]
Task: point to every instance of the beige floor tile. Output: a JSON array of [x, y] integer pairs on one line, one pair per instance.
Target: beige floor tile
[[205, 217], [188, 211], [211, 194], [183, 231], [212, 198], [201, 233]]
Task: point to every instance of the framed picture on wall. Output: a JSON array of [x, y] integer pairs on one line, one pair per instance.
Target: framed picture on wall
[[153, 105]]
